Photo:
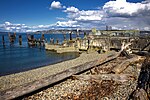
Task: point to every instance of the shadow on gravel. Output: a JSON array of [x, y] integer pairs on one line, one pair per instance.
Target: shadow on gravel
[[142, 91]]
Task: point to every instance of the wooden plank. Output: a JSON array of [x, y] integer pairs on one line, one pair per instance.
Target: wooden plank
[[100, 77]]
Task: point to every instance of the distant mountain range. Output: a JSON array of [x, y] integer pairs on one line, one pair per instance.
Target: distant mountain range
[[60, 31]]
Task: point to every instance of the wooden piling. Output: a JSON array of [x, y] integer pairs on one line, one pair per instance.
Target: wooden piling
[[57, 41], [84, 34], [43, 38], [70, 35], [51, 40], [32, 37], [78, 33], [64, 35], [12, 38], [3, 40], [20, 40]]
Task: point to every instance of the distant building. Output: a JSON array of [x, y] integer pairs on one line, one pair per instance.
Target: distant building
[[108, 28], [118, 32]]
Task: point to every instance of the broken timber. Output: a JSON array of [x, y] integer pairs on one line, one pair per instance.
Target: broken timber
[[121, 67], [100, 77], [35, 85]]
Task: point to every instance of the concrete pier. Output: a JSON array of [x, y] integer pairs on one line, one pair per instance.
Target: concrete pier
[[102, 43]]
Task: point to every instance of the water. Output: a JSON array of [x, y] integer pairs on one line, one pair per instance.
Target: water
[[17, 58]]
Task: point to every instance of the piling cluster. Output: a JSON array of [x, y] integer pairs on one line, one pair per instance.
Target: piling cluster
[[32, 42]]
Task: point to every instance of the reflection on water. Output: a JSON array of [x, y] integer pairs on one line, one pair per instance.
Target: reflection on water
[[17, 58]]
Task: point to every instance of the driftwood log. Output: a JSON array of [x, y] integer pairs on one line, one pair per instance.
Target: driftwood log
[[103, 60], [101, 77], [107, 58], [115, 55], [142, 53], [121, 67]]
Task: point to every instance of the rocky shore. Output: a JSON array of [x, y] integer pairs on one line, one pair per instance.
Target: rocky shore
[[10, 81], [73, 89]]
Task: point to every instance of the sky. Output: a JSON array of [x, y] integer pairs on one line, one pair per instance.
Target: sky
[[37, 15]]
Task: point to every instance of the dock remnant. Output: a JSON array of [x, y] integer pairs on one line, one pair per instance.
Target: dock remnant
[[70, 34], [12, 38], [32, 42], [3, 40], [20, 40]]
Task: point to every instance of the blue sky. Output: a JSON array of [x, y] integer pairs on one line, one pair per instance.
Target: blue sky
[[33, 15]]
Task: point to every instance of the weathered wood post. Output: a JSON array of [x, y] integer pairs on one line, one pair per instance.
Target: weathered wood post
[[39, 43], [64, 35], [70, 35], [43, 38], [11, 38], [14, 35], [78, 33], [32, 37], [84, 34], [32, 40], [51, 40], [20, 40], [3, 40], [88, 44], [57, 41]]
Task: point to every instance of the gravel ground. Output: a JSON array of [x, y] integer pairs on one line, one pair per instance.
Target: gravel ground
[[90, 90], [86, 90], [21, 78]]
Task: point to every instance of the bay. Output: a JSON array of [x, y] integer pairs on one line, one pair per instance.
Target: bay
[[15, 58]]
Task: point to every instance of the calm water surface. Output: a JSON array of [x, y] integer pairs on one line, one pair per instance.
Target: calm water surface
[[17, 58]]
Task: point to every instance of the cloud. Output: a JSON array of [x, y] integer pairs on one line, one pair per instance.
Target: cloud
[[125, 9], [84, 18], [56, 5], [10, 27], [118, 14], [60, 18], [74, 13], [7, 23], [67, 24], [71, 10], [90, 15]]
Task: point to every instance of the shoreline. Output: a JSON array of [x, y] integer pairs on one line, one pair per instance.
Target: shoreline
[[32, 68], [13, 80]]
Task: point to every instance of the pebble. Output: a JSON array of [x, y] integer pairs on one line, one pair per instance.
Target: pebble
[[10, 81], [86, 90]]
